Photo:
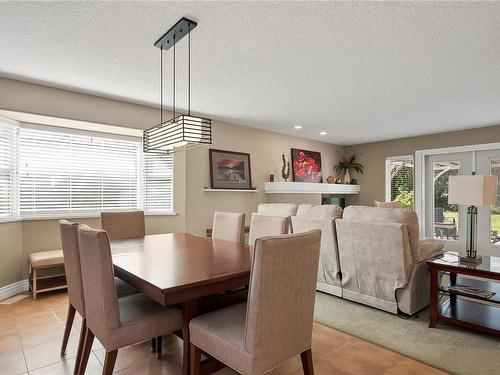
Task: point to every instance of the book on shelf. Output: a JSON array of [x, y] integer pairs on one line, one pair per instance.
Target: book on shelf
[[471, 291]]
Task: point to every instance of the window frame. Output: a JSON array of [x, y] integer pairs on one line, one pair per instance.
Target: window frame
[[388, 169], [72, 131]]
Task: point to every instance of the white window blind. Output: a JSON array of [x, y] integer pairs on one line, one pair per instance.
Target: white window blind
[[158, 171], [399, 180], [71, 174], [8, 163]]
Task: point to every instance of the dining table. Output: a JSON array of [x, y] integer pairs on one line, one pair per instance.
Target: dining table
[[186, 270]]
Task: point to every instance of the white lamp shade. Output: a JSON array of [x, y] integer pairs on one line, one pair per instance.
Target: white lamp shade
[[475, 190]]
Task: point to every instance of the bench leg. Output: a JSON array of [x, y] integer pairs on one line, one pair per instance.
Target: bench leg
[[33, 283]]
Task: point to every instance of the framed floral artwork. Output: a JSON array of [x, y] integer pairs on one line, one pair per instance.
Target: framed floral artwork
[[306, 166]]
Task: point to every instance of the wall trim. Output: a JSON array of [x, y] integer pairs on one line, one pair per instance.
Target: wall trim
[[10, 290]]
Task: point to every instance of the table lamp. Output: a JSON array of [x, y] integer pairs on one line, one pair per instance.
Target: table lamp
[[472, 191]]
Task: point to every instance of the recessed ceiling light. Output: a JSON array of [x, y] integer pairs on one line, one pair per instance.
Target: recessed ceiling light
[[322, 133], [297, 127]]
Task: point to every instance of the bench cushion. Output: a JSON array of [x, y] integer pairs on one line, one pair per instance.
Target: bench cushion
[[46, 258]]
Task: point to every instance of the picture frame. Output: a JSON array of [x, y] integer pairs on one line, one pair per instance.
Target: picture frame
[[230, 170], [306, 166]]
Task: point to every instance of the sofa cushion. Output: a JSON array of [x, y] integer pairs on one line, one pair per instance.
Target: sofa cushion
[[46, 258], [430, 248], [325, 210], [277, 209]]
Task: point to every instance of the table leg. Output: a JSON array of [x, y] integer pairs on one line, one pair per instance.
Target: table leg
[[434, 290], [189, 310], [453, 297]]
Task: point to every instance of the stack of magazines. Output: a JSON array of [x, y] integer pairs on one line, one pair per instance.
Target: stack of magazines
[[471, 291]]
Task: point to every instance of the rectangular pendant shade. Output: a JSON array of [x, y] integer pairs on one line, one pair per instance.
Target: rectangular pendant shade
[[475, 190], [180, 131]]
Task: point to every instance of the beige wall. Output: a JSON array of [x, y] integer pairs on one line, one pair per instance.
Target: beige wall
[[372, 156], [265, 149], [194, 208]]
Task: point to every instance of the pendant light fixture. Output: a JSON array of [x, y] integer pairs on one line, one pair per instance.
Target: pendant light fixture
[[182, 131]]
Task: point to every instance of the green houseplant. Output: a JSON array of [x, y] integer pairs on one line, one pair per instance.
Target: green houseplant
[[346, 165]]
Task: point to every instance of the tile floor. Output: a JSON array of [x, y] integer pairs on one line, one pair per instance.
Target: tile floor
[[31, 333]]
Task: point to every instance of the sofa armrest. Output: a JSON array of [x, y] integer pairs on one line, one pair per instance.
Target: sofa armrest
[[429, 248]]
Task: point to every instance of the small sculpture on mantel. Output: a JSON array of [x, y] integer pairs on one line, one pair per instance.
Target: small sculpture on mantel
[[286, 166]]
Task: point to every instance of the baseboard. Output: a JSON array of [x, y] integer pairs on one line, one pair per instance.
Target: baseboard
[[10, 290]]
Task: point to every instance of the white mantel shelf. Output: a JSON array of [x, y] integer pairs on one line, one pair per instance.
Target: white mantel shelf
[[233, 190], [309, 188]]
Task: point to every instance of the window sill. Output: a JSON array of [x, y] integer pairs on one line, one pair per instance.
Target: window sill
[[83, 216]]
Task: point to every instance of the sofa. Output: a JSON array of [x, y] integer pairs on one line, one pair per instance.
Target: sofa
[[382, 260], [322, 217]]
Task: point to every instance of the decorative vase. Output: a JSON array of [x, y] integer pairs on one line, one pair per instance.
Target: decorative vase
[[330, 179], [347, 177]]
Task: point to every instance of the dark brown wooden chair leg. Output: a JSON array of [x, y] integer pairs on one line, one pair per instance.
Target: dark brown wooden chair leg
[[81, 341], [153, 345], [159, 343], [195, 359], [109, 362], [307, 362], [67, 328], [87, 348]]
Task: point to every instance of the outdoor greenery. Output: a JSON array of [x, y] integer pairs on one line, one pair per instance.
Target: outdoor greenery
[[402, 185]]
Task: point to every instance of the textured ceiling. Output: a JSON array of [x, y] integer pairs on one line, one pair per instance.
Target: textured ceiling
[[359, 71]]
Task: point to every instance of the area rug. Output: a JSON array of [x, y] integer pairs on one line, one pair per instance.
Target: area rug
[[452, 349]]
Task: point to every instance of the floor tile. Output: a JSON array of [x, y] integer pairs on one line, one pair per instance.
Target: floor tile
[[66, 368], [12, 363], [48, 353]]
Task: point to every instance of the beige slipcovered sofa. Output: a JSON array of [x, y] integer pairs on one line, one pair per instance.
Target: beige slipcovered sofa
[[311, 217], [382, 259]]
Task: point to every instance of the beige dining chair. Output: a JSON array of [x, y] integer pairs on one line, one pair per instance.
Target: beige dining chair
[[229, 226], [122, 225], [277, 321], [266, 225], [73, 271], [115, 322]]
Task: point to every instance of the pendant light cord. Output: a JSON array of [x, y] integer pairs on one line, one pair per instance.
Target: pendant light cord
[[161, 85], [189, 71], [174, 76]]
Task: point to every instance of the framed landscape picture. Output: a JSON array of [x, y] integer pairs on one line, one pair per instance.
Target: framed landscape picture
[[230, 170], [306, 166]]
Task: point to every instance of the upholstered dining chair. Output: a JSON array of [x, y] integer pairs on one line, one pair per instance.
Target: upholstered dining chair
[[115, 322], [276, 322], [122, 225], [73, 271], [229, 226], [266, 225]]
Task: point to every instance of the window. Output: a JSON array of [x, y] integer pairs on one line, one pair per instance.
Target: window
[[446, 215], [51, 172], [399, 180], [495, 209], [8, 162]]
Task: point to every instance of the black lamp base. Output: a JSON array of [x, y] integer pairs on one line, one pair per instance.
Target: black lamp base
[[472, 261]]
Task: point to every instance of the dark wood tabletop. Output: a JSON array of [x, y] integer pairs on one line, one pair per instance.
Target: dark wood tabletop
[[180, 268]]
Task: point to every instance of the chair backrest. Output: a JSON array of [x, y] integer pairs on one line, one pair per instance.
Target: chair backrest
[[229, 226], [121, 225], [394, 204], [281, 297], [72, 266], [388, 215], [277, 209], [101, 303], [438, 215], [266, 225], [324, 210]]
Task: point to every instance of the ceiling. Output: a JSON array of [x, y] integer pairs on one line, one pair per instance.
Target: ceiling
[[361, 72]]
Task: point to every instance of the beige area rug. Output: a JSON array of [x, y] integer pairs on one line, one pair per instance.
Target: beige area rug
[[448, 348]]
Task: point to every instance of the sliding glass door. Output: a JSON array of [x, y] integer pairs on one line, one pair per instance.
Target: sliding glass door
[[445, 220], [488, 163]]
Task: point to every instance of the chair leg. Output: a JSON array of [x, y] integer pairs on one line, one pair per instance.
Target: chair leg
[[195, 358], [109, 362], [307, 362], [159, 343], [87, 348], [67, 328], [153, 345], [80, 346]]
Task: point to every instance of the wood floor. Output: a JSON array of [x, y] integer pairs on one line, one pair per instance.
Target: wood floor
[[31, 332]]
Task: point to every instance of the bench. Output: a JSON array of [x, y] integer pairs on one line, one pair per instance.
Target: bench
[[42, 260]]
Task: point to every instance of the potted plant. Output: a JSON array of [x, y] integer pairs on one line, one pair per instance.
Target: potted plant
[[346, 165]]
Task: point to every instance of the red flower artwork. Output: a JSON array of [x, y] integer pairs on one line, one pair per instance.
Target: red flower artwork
[[306, 166]]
